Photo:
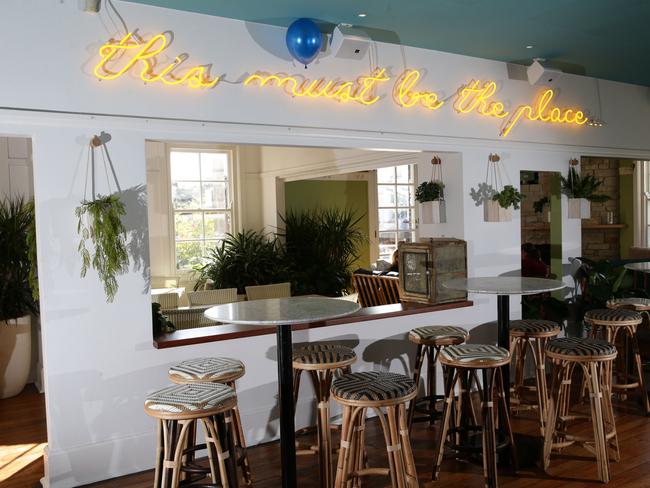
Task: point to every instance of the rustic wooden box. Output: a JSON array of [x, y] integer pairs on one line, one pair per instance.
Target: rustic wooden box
[[425, 265]]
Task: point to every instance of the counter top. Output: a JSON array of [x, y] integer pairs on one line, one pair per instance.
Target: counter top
[[224, 332]]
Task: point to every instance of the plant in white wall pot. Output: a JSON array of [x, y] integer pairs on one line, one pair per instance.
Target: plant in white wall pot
[[581, 191], [498, 201], [430, 195], [18, 295]]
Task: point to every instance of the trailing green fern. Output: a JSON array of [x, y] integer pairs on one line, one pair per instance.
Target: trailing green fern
[[100, 222], [576, 186]]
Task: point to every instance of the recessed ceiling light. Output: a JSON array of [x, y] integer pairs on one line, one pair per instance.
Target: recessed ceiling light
[[362, 15], [530, 46]]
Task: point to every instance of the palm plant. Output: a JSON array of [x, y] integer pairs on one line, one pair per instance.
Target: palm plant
[[576, 186]]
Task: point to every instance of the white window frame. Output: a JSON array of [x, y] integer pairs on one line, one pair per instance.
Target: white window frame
[[641, 203], [233, 192]]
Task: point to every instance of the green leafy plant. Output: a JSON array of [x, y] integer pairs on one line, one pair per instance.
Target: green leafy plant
[[243, 259], [161, 323], [320, 248], [538, 205], [17, 263], [576, 186], [508, 197], [429, 191], [100, 222]]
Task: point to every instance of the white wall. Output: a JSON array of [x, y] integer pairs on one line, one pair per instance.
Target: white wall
[[99, 359]]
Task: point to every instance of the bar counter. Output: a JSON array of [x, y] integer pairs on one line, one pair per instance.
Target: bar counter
[[225, 332]]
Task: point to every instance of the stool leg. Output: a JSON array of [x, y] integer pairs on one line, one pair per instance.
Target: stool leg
[[539, 358], [431, 382], [608, 410], [451, 375], [407, 452], [489, 440], [395, 447], [360, 451], [417, 371], [178, 452], [322, 381], [346, 436], [521, 345], [169, 436], [596, 400], [296, 386], [241, 444], [503, 406], [632, 331], [552, 411], [160, 454]]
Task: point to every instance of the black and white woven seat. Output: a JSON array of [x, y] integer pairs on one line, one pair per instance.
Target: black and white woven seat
[[438, 335], [373, 386], [474, 356], [190, 400], [633, 303], [615, 317], [323, 355], [533, 327], [578, 348], [209, 370]]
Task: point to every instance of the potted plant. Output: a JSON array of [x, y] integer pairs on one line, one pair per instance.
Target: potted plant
[[17, 296], [538, 207], [581, 191], [100, 222], [499, 208], [430, 196]]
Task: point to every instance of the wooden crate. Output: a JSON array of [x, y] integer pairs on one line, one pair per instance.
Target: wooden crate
[[425, 265]]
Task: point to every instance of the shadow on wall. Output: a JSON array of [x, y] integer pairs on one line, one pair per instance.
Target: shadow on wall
[[136, 225]]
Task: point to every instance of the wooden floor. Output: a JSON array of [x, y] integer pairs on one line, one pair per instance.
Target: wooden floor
[[22, 435]]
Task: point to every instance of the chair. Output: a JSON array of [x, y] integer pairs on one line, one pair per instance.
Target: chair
[[164, 281], [261, 292], [167, 300], [376, 290], [188, 318], [212, 297]]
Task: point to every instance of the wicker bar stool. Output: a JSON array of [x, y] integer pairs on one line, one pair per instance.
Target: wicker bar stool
[[178, 408], [215, 370], [531, 336], [387, 394], [321, 361], [595, 358], [622, 324], [430, 340], [466, 360]]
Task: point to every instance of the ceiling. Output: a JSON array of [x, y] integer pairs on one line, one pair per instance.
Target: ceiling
[[602, 38]]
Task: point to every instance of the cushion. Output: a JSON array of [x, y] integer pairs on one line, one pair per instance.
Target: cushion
[[607, 316], [191, 398], [579, 346], [213, 369], [373, 386], [436, 332], [534, 326], [468, 353], [323, 354], [633, 302]]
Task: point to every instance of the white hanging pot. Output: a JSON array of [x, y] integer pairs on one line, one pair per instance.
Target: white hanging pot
[[493, 212], [15, 355], [433, 212], [579, 208], [548, 216]]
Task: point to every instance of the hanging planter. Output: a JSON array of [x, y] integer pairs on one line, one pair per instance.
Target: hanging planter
[[542, 207], [498, 205], [430, 196], [103, 236], [581, 191]]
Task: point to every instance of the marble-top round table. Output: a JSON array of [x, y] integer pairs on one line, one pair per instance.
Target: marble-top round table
[[283, 313]]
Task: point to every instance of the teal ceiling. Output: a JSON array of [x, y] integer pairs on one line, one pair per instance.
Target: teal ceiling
[[607, 39]]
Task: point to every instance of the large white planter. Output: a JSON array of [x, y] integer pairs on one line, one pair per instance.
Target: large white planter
[[579, 208], [433, 212], [15, 355], [493, 212]]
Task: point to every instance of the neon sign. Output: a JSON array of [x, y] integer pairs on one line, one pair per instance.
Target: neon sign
[[133, 54]]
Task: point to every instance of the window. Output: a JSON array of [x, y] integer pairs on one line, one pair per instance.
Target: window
[[396, 207], [201, 196]]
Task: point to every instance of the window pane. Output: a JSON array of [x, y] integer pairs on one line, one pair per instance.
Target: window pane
[[189, 225], [216, 225], [209, 245], [215, 195], [186, 194], [405, 236], [387, 245], [386, 195], [404, 174], [404, 218], [405, 196], [188, 254], [184, 165], [386, 175], [387, 219], [214, 166]]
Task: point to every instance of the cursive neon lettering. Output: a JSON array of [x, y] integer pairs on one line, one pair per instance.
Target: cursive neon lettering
[[405, 95]]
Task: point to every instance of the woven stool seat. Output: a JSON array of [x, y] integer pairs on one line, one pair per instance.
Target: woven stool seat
[[190, 400], [579, 348], [323, 356], [474, 356], [619, 316], [638, 304], [212, 370], [540, 328], [438, 335], [373, 386]]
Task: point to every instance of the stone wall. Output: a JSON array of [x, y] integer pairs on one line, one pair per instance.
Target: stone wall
[[534, 226]]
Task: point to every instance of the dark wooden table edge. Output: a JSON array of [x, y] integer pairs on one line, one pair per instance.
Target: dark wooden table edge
[[225, 332]]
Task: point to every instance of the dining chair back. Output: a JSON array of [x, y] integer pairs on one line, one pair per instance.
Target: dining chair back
[[260, 292], [167, 300], [212, 297]]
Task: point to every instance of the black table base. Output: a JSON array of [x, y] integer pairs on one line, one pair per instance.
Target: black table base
[[287, 424]]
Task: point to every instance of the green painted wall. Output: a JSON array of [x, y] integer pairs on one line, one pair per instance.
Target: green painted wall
[[302, 195], [626, 209]]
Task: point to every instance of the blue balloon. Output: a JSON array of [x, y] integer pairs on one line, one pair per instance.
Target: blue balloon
[[304, 40]]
